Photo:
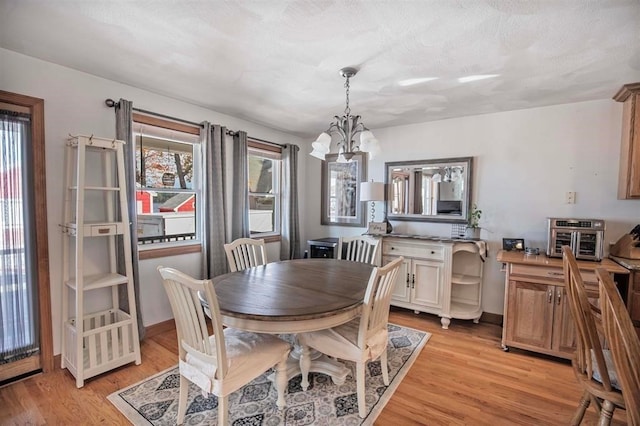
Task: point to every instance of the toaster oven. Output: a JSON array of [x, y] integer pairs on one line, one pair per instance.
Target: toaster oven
[[584, 236]]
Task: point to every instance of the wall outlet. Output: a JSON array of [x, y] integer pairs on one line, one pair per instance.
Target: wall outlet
[[571, 197]]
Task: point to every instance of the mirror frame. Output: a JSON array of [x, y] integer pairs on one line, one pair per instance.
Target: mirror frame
[[466, 199]]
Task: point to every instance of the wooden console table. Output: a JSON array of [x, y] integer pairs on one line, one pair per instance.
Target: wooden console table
[[536, 314]]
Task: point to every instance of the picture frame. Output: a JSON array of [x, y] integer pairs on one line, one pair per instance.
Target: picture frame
[[513, 244], [340, 191], [377, 228]]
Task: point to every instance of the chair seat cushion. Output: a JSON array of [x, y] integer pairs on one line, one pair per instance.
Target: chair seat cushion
[[248, 356], [611, 368], [342, 342]]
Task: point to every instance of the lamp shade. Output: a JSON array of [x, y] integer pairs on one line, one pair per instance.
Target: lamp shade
[[372, 191]]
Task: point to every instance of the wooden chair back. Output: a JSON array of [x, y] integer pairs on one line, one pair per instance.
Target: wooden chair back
[[358, 249], [377, 298], [589, 347], [245, 253], [589, 357], [623, 344], [191, 325]]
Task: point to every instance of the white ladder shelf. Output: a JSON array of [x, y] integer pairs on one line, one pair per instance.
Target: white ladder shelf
[[96, 342]]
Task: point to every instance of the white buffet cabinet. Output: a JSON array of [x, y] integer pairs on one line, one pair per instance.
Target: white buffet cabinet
[[438, 276]]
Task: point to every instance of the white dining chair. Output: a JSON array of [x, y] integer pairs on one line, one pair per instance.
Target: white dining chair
[[245, 253], [360, 340], [225, 361], [362, 248]]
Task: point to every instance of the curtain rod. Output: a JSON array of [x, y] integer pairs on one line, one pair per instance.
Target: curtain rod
[[112, 104]]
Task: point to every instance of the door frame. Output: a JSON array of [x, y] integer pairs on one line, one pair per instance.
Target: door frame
[[36, 109]]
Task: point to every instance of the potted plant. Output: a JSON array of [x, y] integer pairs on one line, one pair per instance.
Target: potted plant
[[473, 224]]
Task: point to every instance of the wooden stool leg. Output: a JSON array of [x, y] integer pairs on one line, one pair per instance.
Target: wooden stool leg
[[582, 407], [606, 413]]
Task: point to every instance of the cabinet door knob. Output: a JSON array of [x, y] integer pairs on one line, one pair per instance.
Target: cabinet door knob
[[407, 280], [549, 295], [558, 296], [433, 252]]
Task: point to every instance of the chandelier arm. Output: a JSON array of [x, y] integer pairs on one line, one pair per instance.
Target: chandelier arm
[[331, 128], [337, 128]]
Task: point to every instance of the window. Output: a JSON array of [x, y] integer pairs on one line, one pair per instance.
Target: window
[[264, 189], [24, 293], [167, 182]]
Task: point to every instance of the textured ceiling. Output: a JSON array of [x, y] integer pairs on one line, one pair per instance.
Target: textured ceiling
[[276, 62]]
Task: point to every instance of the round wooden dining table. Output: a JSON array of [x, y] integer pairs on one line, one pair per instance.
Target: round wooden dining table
[[295, 296]]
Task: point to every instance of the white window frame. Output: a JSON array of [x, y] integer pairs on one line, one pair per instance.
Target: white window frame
[[173, 131], [272, 152]]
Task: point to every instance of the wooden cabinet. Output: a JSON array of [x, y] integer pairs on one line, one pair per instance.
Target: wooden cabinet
[[419, 284], [540, 318], [629, 177], [438, 277], [536, 312]]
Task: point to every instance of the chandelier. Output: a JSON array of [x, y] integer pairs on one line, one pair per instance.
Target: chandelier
[[347, 128]]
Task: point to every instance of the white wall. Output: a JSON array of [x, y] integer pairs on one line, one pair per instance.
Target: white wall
[[74, 104], [525, 161]]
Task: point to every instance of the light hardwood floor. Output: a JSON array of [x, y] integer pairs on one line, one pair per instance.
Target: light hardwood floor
[[462, 377]]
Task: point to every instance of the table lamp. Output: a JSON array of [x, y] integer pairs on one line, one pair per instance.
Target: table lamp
[[372, 191]]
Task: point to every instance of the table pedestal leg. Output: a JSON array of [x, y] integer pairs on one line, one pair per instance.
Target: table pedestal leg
[[320, 363]]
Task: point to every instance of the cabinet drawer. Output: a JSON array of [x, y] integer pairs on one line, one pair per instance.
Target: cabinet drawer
[[104, 229], [549, 272], [422, 251]]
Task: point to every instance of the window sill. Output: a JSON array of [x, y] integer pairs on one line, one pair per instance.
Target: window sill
[[169, 251], [268, 238]]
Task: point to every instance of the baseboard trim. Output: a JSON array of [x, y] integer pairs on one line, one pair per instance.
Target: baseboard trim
[[159, 328], [490, 318]]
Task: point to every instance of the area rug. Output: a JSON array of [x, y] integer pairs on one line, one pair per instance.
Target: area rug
[[154, 401]]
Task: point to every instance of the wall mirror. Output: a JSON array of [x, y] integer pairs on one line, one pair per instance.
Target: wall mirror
[[429, 190]]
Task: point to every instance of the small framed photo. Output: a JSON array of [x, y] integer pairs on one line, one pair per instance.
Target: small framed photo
[[513, 244], [377, 228]]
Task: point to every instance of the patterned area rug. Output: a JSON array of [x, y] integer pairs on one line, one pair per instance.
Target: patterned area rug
[[154, 401]]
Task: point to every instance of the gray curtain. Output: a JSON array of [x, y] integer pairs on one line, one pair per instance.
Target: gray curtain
[[290, 227], [214, 216], [240, 204], [124, 132]]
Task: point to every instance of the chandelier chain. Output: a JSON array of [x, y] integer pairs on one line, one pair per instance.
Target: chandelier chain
[[347, 109]]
